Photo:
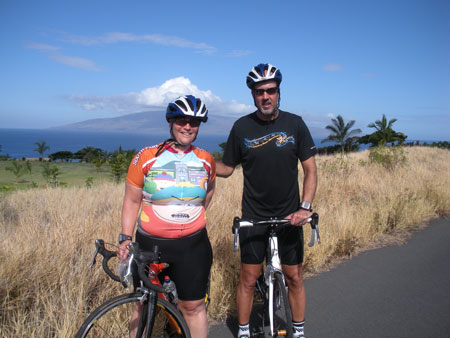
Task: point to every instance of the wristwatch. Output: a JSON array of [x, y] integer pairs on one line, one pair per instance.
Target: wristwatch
[[305, 206], [123, 238]]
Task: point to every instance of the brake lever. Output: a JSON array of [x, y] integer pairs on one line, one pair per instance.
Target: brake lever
[[314, 230], [235, 234], [99, 244], [94, 260]]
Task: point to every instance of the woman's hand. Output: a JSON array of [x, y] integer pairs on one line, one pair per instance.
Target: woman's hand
[[122, 250]]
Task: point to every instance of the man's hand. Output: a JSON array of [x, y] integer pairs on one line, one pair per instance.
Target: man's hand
[[299, 217]]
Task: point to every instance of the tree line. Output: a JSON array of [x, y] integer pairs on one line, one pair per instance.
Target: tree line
[[117, 160], [347, 140], [341, 133]]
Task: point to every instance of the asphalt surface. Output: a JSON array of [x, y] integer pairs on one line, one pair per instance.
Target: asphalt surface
[[397, 291]]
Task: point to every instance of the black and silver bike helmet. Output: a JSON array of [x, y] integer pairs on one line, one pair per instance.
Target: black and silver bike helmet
[[187, 105], [263, 72]]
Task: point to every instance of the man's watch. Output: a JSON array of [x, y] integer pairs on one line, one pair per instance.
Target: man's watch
[[123, 238], [306, 206]]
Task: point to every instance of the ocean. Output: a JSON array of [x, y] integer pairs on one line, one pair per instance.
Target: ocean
[[18, 143]]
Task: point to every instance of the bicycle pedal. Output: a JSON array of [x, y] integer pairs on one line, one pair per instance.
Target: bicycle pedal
[[257, 334]]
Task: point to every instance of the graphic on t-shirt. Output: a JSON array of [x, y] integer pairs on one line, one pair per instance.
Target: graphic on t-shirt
[[175, 181], [281, 140]]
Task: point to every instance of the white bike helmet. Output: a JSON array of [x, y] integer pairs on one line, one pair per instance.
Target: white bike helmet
[[187, 105], [263, 72]]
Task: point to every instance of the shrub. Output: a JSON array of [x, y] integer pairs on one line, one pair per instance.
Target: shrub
[[388, 157]]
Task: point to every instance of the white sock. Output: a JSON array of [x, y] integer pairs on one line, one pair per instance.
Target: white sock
[[299, 329], [244, 331]]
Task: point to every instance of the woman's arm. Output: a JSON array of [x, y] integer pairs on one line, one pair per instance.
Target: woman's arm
[[130, 211], [209, 193]]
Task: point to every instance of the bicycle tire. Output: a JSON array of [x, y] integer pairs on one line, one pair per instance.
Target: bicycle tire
[[112, 319], [282, 316]]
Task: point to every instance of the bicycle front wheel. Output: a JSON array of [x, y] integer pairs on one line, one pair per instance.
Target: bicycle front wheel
[[282, 317], [114, 319]]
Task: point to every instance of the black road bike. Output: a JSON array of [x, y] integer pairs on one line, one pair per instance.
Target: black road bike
[[147, 312]]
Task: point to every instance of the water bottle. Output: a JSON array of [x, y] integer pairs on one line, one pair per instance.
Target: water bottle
[[125, 273], [171, 289]]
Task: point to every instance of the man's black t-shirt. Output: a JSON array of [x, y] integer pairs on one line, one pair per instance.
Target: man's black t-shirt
[[269, 152]]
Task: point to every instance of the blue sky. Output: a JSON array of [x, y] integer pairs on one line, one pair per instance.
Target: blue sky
[[69, 61]]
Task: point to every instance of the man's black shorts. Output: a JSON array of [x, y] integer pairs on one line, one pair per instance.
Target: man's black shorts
[[253, 242]]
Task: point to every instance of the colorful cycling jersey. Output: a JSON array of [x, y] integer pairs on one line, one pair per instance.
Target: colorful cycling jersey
[[173, 189]]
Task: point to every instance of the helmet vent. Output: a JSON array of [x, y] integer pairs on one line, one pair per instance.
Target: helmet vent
[[190, 104], [181, 104]]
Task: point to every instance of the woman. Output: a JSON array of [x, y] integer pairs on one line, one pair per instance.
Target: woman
[[169, 186]]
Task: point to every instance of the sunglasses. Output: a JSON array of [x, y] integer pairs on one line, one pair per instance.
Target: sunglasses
[[270, 91], [182, 121]]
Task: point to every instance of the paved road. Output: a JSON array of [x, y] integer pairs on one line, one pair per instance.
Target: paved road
[[391, 292]]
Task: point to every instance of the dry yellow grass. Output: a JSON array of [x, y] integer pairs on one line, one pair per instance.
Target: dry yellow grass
[[47, 243]]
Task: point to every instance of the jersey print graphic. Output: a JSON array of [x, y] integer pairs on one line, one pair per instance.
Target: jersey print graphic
[[175, 182], [281, 139]]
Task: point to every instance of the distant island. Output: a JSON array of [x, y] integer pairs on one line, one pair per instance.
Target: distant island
[[145, 122], [155, 122]]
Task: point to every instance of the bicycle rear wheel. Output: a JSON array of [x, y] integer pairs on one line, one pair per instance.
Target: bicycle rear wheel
[[282, 317], [113, 319]]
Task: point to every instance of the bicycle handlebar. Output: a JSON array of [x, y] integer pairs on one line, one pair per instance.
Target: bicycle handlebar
[[238, 223], [142, 259]]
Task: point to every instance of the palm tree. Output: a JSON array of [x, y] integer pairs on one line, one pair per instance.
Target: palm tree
[[382, 125], [41, 147], [17, 169], [341, 132], [384, 132]]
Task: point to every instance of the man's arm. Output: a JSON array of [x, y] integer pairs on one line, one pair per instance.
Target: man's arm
[[309, 180], [223, 170]]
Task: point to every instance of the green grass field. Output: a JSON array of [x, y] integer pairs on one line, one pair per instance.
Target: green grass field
[[71, 174]]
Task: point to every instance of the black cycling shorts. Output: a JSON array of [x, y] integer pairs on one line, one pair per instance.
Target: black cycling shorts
[[189, 258], [253, 242]]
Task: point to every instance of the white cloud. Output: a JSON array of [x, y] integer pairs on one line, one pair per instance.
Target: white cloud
[[369, 74], [333, 67], [118, 37], [157, 98], [53, 52]]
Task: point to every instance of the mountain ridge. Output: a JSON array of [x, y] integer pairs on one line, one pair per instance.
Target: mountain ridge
[[155, 122], [145, 122]]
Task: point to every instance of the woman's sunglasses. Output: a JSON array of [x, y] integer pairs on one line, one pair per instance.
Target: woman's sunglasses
[[182, 121]]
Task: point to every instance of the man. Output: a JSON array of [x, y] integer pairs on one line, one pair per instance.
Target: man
[[268, 143]]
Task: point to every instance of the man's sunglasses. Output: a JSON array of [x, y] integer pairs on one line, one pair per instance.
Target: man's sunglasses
[[182, 121], [270, 91]]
